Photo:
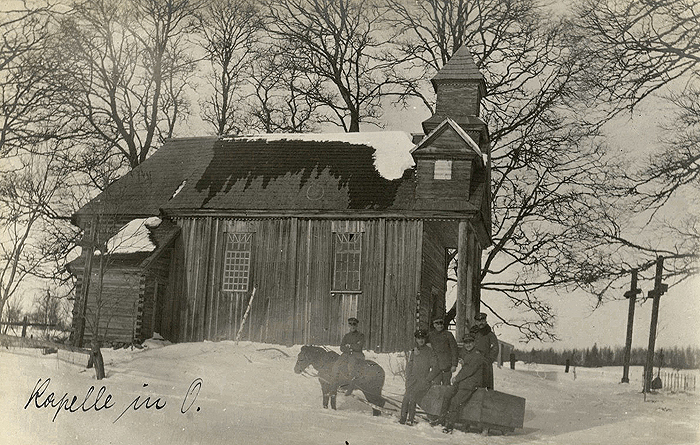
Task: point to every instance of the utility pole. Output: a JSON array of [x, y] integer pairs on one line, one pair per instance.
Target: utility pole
[[631, 295], [659, 289]]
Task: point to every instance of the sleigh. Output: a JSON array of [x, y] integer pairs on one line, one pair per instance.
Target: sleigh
[[486, 410]]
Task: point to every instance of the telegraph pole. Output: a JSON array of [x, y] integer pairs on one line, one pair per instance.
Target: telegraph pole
[[631, 295], [659, 289]]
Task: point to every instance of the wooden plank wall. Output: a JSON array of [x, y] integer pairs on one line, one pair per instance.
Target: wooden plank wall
[[403, 251], [117, 304], [175, 294], [292, 263], [371, 303], [154, 282]]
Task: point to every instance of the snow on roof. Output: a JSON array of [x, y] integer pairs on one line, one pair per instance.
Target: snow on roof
[[133, 237], [179, 187], [392, 149]]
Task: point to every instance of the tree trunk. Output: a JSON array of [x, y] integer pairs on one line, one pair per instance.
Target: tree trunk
[[97, 360]]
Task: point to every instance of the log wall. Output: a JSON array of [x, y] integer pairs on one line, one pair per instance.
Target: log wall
[[117, 303]]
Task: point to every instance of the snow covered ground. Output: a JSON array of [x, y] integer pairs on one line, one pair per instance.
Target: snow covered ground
[[211, 393]]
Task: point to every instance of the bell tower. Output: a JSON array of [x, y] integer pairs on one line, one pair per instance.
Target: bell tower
[[460, 87], [453, 158], [453, 176]]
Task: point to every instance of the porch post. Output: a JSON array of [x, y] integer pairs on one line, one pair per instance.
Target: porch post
[[463, 285]]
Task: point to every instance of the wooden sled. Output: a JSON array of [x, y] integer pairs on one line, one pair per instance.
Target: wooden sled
[[486, 410]]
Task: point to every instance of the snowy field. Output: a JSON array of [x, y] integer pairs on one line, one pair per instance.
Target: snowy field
[[211, 393]]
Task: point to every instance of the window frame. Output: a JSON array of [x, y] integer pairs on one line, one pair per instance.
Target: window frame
[[343, 246], [231, 275]]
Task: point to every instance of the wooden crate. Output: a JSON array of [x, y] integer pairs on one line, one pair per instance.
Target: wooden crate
[[486, 409]]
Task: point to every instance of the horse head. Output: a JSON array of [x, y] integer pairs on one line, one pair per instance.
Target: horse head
[[303, 360]]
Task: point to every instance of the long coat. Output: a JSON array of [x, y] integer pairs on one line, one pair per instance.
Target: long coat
[[352, 342], [471, 375], [422, 368], [485, 341], [445, 347]]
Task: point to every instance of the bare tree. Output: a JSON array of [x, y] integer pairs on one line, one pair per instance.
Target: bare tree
[[124, 72], [278, 103], [11, 314], [49, 309], [639, 51], [28, 193], [636, 48], [547, 168], [230, 31], [336, 41], [26, 111]]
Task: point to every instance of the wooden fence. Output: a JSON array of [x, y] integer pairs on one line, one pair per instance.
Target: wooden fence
[[21, 342], [675, 381], [25, 323]]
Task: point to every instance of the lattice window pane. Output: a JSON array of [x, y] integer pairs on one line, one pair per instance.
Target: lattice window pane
[[347, 264], [237, 262]]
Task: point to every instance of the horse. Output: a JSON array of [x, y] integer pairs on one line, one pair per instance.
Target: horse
[[370, 380]]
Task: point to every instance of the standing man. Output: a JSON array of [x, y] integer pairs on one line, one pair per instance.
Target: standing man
[[352, 356], [445, 347], [485, 341], [465, 383], [421, 369]]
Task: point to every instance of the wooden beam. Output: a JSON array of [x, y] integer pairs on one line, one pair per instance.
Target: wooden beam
[[659, 289], [327, 214], [632, 296], [472, 301], [463, 282]]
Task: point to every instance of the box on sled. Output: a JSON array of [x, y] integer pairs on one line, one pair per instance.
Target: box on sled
[[486, 408]]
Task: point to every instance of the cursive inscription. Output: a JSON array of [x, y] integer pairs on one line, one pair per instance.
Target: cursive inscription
[[41, 398], [137, 404], [66, 402], [191, 395]]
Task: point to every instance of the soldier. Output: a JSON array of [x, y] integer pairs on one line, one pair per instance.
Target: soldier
[[445, 346], [465, 383], [352, 356], [485, 342], [421, 369]]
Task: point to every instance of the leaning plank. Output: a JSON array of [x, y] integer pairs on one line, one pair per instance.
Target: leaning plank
[[19, 342], [245, 316]]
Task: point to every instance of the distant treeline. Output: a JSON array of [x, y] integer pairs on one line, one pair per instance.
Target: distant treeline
[[676, 358]]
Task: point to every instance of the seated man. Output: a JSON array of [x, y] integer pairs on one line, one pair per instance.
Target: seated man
[[352, 356], [465, 383]]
